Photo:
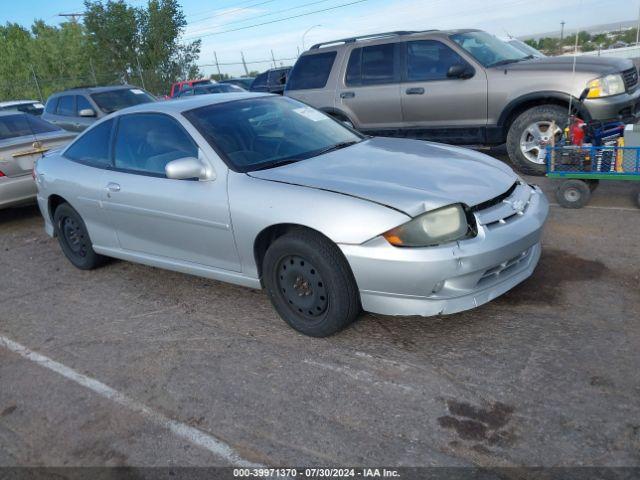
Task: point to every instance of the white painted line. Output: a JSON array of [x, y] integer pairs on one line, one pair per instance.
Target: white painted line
[[596, 207], [193, 435]]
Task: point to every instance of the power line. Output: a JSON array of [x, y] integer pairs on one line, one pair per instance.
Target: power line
[[269, 14], [228, 12], [207, 12], [277, 20]]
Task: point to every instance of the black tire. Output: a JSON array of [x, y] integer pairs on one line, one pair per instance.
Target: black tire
[[573, 194], [310, 283], [542, 113], [74, 239]]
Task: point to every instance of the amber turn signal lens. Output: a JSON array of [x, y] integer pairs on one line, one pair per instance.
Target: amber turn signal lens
[[392, 238]]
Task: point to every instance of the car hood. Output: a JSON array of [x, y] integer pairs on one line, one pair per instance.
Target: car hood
[[584, 63], [408, 175]]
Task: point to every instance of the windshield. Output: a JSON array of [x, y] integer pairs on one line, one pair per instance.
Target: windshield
[[22, 124], [258, 133], [526, 49], [113, 100], [487, 49]]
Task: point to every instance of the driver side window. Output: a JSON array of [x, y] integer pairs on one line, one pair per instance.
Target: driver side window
[[430, 60], [146, 142]]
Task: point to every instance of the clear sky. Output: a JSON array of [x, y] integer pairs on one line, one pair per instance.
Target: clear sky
[[221, 24]]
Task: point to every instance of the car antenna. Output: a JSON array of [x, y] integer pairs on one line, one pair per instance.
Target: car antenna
[[573, 75], [36, 143]]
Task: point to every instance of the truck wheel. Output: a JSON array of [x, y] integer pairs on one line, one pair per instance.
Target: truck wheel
[[310, 283], [573, 194], [529, 135]]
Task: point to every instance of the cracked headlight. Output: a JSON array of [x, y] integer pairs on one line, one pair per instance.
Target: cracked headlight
[[442, 225], [606, 86]]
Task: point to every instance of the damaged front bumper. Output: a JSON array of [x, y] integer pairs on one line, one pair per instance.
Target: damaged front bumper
[[458, 276]]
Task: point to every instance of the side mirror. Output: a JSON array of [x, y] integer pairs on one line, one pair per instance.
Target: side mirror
[[186, 168], [87, 112], [460, 71]]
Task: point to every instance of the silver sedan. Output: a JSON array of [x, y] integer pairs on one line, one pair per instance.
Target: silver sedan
[[23, 139], [266, 192]]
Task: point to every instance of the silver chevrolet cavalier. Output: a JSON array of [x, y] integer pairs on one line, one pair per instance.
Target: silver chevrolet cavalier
[[264, 191]]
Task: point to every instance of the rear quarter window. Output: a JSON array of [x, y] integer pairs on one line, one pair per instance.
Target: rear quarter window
[[311, 71], [93, 147]]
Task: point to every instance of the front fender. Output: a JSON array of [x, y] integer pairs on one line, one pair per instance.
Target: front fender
[[256, 204]]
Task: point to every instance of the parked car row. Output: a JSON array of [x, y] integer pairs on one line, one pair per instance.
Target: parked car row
[[269, 192]]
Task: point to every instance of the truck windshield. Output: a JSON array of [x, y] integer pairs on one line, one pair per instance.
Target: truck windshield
[[490, 51]]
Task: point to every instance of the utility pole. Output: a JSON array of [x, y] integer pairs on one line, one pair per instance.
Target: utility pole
[[244, 64], [561, 32], [273, 58], [93, 72], [35, 78], [638, 27], [215, 55], [73, 16]]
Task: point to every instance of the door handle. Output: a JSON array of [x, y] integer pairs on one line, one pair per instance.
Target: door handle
[[347, 95], [414, 91], [113, 187]]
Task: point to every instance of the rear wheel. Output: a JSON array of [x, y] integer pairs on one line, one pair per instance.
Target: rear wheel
[[74, 239], [310, 284], [573, 194], [529, 135]]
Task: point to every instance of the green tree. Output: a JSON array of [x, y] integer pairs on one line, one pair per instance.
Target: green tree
[[112, 38], [141, 45]]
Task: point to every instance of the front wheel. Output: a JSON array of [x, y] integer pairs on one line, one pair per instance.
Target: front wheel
[[74, 239], [310, 284], [529, 135]]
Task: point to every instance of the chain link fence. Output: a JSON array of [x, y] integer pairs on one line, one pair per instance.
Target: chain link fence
[[39, 87]]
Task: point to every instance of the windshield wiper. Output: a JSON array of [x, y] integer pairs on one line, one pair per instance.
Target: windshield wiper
[[279, 163], [507, 61], [314, 153], [334, 147]]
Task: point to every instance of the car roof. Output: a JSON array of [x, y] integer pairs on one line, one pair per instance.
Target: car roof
[[374, 37], [11, 103], [94, 89], [183, 104]]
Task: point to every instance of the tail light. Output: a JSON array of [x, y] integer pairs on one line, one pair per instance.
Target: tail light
[[2, 174]]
